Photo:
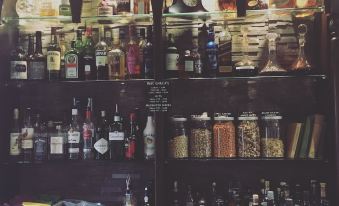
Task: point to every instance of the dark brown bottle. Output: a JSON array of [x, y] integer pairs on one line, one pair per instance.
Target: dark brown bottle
[[37, 63], [53, 57], [101, 138]]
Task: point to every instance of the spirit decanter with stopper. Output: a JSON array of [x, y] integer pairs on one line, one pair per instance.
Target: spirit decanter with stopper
[[301, 64], [245, 67], [272, 66]]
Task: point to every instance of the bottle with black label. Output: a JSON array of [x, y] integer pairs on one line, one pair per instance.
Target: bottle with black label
[[172, 58], [225, 52], [116, 137], [53, 57], [14, 149], [211, 55], [37, 64], [40, 141], [101, 138], [88, 57], [27, 134], [101, 62], [18, 62]]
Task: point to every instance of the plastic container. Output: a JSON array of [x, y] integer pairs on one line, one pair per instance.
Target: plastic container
[[201, 137], [178, 141]]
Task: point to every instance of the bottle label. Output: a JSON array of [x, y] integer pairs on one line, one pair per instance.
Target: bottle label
[[101, 146], [149, 141], [57, 145], [18, 70], [133, 59], [225, 56], [114, 66], [53, 60], [27, 144], [105, 11], [189, 66], [73, 137], [14, 144], [36, 70], [198, 66], [88, 69], [73, 150], [172, 62], [87, 132], [212, 58], [40, 146], [27, 133], [116, 136], [100, 58], [130, 149], [71, 66], [245, 67]]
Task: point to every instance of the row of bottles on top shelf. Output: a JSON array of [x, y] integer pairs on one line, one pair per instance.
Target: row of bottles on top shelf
[[235, 194], [115, 56], [211, 56], [36, 8], [82, 138]]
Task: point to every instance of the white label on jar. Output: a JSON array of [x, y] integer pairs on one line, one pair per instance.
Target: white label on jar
[[172, 62], [149, 141], [18, 70], [27, 144], [73, 150], [116, 136], [57, 145], [189, 66], [101, 146], [244, 67], [53, 60], [73, 137], [14, 144]]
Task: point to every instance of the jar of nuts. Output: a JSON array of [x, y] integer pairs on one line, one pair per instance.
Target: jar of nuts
[[248, 135], [224, 136], [178, 141], [201, 137], [272, 144]]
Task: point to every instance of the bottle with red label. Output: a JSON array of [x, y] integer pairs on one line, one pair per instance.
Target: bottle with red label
[[133, 62], [88, 133], [131, 138]]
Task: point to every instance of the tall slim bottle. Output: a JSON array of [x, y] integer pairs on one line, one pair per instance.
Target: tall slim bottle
[[63, 48], [37, 64], [131, 138], [27, 133], [116, 60], [88, 132], [101, 147], [324, 201], [149, 138], [14, 149], [116, 137], [133, 62], [142, 44], [30, 54], [53, 57], [101, 58], [74, 136], [88, 57], [147, 65]]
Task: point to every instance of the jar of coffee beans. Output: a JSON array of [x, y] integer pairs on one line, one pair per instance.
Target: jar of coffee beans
[[178, 141], [248, 135], [201, 137]]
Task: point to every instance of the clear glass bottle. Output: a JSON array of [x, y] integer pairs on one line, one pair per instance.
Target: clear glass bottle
[[27, 134], [248, 135], [272, 144], [116, 60], [224, 140], [178, 140], [200, 140], [324, 201], [74, 136], [149, 138], [301, 64]]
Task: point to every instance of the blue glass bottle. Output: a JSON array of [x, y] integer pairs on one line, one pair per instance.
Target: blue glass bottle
[[211, 54]]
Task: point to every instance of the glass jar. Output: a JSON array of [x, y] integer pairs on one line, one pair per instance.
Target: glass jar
[[248, 135], [201, 137], [178, 141], [224, 136], [272, 144]]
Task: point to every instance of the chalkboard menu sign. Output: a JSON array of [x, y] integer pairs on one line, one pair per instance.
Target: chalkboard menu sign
[[158, 96]]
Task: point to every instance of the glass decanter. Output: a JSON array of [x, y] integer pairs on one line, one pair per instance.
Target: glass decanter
[[272, 66], [301, 64], [245, 67]]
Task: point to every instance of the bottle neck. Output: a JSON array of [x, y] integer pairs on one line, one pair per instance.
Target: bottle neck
[[30, 45], [88, 115]]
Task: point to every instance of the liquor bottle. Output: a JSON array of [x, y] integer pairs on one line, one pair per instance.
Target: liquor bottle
[[197, 62], [149, 138], [123, 33], [211, 55], [101, 138], [297, 195], [142, 44], [79, 44], [133, 52], [63, 49], [57, 143], [289, 202], [147, 197], [104, 8], [49, 8], [129, 199], [270, 198], [108, 38], [147, 64], [88, 132], [14, 149], [73, 136], [101, 49], [189, 197], [306, 198], [131, 138], [188, 64], [323, 195], [123, 6], [213, 194], [202, 42], [30, 53], [88, 56], [53, 57], [65, 8], [314, 198], [301, 64], [27, 134], [255, 200], [175, 199], [172, 58], [40, 140], [37, 63], [18, 62], [225, 52], [116, 60], [116, 137], [72, 63]]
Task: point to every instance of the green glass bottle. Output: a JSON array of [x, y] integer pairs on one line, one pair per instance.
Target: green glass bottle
[[72, 63]]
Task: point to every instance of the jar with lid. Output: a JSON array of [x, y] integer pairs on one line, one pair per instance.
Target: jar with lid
[[248, 135], [224, 136], [201, 137], [178, 141], [272, 144]]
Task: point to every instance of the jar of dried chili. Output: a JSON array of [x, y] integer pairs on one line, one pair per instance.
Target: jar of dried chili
[[224, 136]]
